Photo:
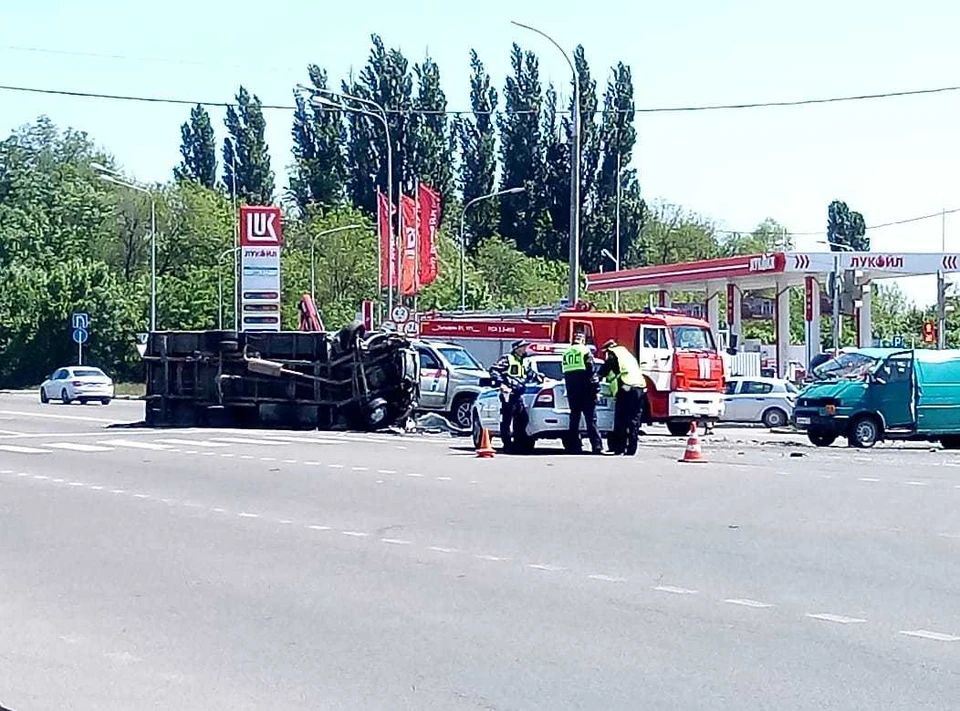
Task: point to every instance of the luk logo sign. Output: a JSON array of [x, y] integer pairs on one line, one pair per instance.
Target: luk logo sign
[[763, 263], [260, 225], [879, 261]]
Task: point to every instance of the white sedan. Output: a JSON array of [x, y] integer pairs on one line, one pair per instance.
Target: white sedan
[[81, 383], [756, 399], [546, 407]]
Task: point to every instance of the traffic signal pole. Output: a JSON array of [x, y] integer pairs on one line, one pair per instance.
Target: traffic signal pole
[[941, 310]]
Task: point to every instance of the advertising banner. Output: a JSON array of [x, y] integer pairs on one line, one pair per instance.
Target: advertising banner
[[261, 239]]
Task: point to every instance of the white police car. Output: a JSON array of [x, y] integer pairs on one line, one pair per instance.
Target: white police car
[[545, 404]]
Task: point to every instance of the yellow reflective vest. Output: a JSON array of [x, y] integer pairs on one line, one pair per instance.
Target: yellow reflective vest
[[575, 358], [515, 366], [629, 373]]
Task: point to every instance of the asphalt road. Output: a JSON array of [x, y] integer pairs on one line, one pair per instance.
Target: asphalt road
[[217, 569]]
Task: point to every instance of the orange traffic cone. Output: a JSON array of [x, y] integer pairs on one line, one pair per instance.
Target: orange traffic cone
[[693, 453], [485, 451]]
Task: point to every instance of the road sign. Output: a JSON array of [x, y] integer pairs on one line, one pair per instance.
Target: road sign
[[400, 314], [929, 332], [80, 320], [80, 336], [410, 328], [898, 341]]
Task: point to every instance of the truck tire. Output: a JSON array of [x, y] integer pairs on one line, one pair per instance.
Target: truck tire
[[678, 429], [461, 414], [865, 431], [950, 441], [821, 438]]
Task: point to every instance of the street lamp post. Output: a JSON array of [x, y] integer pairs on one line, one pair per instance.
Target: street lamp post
[[224, 253], [323, 97], [573, 291], [313, 265], [616, 258], [112, 176], [463, 244]]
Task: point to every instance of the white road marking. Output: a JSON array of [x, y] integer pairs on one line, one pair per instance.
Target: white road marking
[[6, 471], [117, 491], [547, 567], [835, 618], [244, 514], [494, 558], [358, 534], [59, 481], [168, 501], [40, 476], [246, 440], [246, 456], [59, 417], [284, 520], [191, 451], [289, 461], [867, 478], [747, 603], [359, 469], [192, 505], [395, 541], [415, 475], [927, 634], [441, 549], [386, 471], [335, 466], [134, 445], [444, 478], [22, 450], [826, 476], [918, 483], [676, 591], [312, 464], [97, 488], [73, 483], [193, 442], [141, 496], [219, 510], [227, 455], [942, 535], [320, 528], [22, 474], [607, 578], [209, 454], [268, 459], [75, 447]]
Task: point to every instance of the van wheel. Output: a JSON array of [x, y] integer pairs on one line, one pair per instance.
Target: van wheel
[[950, 442], [462, 411], [864, 432], [774, 417], [821, 438]]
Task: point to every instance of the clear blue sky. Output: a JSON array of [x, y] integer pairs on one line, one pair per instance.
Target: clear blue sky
[[890, 159]]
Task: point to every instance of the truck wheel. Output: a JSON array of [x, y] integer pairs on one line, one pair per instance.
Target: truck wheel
[[774, 417], [678, 429], [950, 442], [820, 438], [462, 411], [864, 432]]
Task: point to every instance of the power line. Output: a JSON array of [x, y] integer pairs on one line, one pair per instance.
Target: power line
[[451, 112], [821, 233]]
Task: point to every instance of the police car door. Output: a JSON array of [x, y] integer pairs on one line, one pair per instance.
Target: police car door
[[433, 381], [654, 355]]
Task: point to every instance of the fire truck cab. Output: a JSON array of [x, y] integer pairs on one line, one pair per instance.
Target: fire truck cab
[[678, 354]]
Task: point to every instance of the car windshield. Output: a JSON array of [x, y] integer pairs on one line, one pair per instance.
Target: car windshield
[[551, 369], [848, 365], [88, 373], [459, 358], [692, 338]]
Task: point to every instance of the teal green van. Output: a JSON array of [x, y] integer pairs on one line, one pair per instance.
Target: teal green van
[[871, 394]]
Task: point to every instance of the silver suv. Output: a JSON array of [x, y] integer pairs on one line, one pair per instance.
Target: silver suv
[[449, 380]]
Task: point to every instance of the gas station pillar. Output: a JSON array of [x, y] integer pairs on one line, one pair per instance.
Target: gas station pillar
[[811, 314], [734, 310], [864, 322], [782, 327], [713, 307]]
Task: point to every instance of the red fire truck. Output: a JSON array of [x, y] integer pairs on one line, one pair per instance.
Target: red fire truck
[[679, 355]]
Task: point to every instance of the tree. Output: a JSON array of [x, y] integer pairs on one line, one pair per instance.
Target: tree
[[319, 165], [551, 188], [246, 156], [478, 157], [521, 150], [432, 148], [198, 149], [846, 228], [672, 234], [768, 236]]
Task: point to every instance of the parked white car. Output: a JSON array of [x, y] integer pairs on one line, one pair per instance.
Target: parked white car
[[757, 399], [547, 408], [449, 380], [80, 382]]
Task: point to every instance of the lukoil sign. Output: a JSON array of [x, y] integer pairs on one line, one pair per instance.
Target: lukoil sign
[[876, 261], [763, 263]]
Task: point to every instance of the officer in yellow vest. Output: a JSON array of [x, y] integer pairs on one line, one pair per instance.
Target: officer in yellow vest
[[627, 385], [516, 365], [582, 386]]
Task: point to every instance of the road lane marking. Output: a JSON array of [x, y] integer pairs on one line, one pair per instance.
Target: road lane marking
[[246, 456], [335, 466], [96, 488], [359, 469], [141, 496], [444, 478], [828, 617], [546, 566], [746, 602], [494, 558], [72, 483], [219, 510], [675, 590], [386, 471], [927, 634], [227, 455], [60, 417], [247, 440], [284, 520], [441, 549], [193, 442], [319, 528], [607, 578], [918, 483], [6, 471], [16, 449], [117, 491], [22, 474], [312, 464], [58, 481], [949, 535], [209, 454], [395, 541], [75, 447], [268, 459], [357, 534], [135, 445], [867, 478], [289, 461], [244, 514], [40, 476], [415, 475]]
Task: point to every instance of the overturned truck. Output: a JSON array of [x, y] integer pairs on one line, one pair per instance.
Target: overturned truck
[[347, 380]]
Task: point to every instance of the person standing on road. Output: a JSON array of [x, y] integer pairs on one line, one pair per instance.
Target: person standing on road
[[627, 386], [516, 366], [582, 388]]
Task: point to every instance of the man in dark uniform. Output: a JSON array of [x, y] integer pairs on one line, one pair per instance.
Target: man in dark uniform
[[627, 385], [582, 387], [516, 365]]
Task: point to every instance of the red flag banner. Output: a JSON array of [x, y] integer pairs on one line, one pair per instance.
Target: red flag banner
[[409, 277], [428, 258], [387, 246]]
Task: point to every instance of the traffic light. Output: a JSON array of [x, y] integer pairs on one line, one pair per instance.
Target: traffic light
[[929, 332]]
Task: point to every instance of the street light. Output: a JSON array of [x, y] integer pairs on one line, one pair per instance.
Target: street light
[[112, 176], [463, 244], [616, 265], [573, 294], [323, 97], [224, 253], [313, 266]]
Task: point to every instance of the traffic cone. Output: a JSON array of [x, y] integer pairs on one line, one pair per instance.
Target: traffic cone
[[693, 453], [485, 451]]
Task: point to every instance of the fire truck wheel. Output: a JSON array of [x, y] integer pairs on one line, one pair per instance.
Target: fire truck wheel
[[678, 429]]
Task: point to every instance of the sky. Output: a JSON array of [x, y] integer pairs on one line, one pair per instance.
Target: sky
[[890, 159]]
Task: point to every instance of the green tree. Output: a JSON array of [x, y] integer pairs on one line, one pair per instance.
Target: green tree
[[246, 156], [768, 236], [672, 234], [478, 156], [198, 149], [550, 189], [846, 229], [319, 166], [432, 148]]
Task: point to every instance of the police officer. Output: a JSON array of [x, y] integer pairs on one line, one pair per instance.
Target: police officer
[[516, 365], [582, 386], [627, 385]]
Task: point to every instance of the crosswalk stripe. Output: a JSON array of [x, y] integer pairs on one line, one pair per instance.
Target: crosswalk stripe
[[73, 446], [193, 443], [134, 444], [22, 450]]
